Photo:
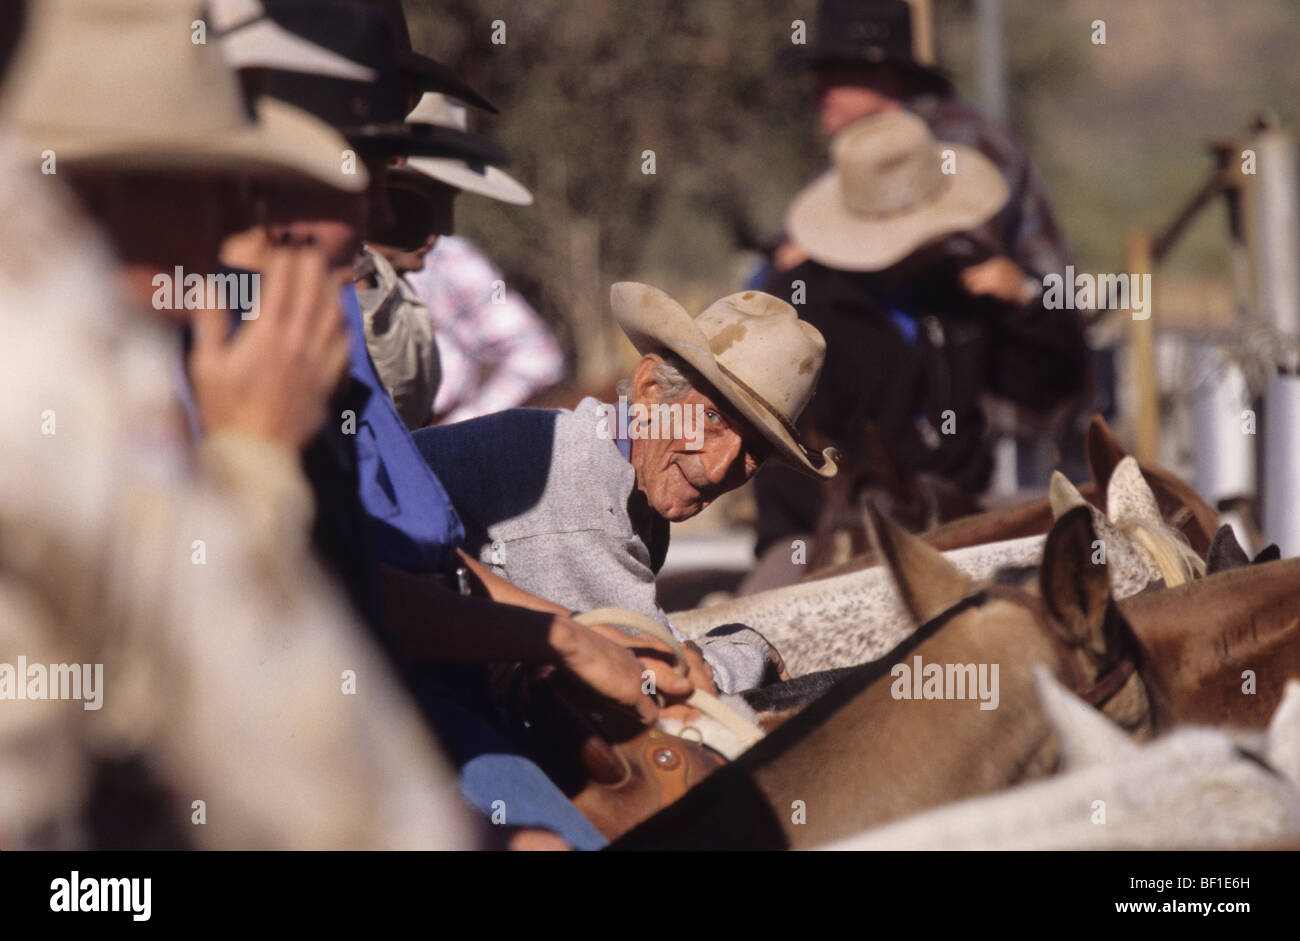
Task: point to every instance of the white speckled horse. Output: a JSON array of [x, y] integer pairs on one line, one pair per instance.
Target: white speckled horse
[[858, 617]]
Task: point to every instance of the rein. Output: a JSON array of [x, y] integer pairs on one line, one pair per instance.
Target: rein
[[1095, 694]]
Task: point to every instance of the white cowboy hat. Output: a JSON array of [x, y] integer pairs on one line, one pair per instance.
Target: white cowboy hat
[[82, 87], [752, 347], [444, 111], [249, 38], [887, 194]]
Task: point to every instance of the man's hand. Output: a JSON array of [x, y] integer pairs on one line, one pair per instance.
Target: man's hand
[[999, 277], [274, 378], [657, 658], [609, 668]]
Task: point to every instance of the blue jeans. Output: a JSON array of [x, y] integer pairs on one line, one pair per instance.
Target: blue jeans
[[495, 777]]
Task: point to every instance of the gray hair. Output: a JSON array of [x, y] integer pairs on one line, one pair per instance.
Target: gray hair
[[672, 374]]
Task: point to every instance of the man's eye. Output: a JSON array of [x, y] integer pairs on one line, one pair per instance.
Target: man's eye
[[712, 416]]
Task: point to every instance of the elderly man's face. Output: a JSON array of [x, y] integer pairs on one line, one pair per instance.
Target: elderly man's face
[[682, 475]]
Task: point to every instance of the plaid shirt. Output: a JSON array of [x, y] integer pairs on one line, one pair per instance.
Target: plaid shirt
[[481, 326], [1026, 228]]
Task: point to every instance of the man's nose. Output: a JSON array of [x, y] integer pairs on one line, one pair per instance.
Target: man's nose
[[719, 458]]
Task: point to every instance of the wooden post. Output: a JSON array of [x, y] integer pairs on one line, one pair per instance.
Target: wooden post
[[1142, 347], [923, 31]]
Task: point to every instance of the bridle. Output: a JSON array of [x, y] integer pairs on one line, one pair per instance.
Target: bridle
[[1096, 693]]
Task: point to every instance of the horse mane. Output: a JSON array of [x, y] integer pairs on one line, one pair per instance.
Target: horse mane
[[1168, 548]]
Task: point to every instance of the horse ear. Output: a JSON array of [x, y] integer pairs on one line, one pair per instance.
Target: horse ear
[[1083, 734], [1103, 451], [1270, 553], [1225, 552], [1129, 496], [927, 582], [1284, 734], [1074, 581], [1063, 495]]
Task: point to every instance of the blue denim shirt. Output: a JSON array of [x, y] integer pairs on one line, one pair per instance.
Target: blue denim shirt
[[412, 522]]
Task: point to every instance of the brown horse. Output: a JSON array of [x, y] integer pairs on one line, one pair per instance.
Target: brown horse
[[1181, 506], [1200, 639], [870, 751]]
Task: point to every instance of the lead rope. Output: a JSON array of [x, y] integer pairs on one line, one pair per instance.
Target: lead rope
[[707, 703]]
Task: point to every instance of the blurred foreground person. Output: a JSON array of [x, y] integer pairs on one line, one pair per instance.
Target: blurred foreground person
[[225, 698], [385, 526]]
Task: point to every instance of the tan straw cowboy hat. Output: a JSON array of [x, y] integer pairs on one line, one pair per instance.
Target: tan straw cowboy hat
[[887, 194], [120, 85], [443, 111], [752, 347]]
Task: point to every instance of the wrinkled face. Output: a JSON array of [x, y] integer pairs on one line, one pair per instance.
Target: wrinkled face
[[682, 474], [847, 94]]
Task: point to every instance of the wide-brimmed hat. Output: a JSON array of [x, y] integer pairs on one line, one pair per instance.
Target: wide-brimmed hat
[[472, 177], [82, 88], [250, 39], [426, 74], [752, 347], [372, 115], [887, 194], [866, 33]]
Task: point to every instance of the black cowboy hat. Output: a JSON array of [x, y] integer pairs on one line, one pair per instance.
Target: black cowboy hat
[[427, 74], [866, 33], [371, 115]]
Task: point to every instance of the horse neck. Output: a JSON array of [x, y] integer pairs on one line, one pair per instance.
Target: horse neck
[[862, 757]]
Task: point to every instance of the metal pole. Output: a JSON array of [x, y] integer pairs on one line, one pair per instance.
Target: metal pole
[[1143, 352], [992, 59], [1277, 232]]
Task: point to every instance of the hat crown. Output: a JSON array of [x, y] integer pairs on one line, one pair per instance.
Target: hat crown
[[760, 340], [80, 75], [867, 31], [888, 164], [359, 33], [441, 111]]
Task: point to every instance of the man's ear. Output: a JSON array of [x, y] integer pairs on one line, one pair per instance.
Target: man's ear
[[644, 387]]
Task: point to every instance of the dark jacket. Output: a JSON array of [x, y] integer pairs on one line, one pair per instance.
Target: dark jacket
[[911, 369]]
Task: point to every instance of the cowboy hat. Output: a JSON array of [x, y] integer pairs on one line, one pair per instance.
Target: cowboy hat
[[752, 347], [867, 33], [81, 88], [250, 39], [423, 73], [369, 114], [887, 194], [472, 177]]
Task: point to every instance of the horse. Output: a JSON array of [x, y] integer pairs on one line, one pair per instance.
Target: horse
[[850, 619], [1179, 505], [868, 751], [1196, 788]]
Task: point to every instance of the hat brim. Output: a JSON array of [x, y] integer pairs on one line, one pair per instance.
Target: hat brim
[[285, 144], [654, 322], [266, 44], [425, 140], [832, 235], [474, 178], [931, 78], [431, 75]]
